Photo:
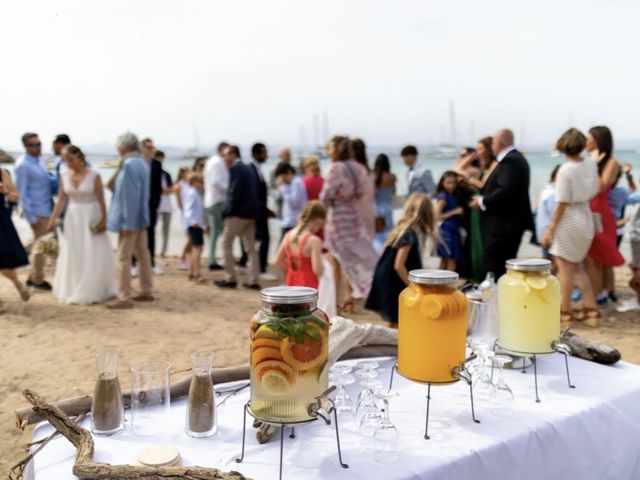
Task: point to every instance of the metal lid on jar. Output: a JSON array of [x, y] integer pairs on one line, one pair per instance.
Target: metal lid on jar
[[433, 277], [289, 295], [528, 264]]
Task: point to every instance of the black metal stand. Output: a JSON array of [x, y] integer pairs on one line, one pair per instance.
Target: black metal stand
[[283, 425], [558, 348], [462, 373]]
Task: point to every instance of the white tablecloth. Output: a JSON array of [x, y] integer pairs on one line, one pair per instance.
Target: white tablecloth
[[591, 432]]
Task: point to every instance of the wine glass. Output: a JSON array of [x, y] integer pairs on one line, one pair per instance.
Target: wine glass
[[341, 376], [367, 381], [501, 395], [386, 439], [368, 415], [482, 382]]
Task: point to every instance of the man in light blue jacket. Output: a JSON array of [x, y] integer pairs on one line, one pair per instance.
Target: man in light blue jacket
[[129, 217]]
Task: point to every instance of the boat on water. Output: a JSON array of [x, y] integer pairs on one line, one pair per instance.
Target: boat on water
[[108, 164]]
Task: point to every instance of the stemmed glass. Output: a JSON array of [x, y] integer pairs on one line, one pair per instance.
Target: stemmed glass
[[386, 439], [341, 375], [483, 333], [501, 395], [368, 415]]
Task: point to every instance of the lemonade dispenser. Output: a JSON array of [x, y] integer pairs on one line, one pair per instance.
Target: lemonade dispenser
[[432, 328], [288, 354], [528, 307]]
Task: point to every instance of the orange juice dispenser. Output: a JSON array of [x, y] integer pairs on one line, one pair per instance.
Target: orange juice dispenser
[[432, 327]]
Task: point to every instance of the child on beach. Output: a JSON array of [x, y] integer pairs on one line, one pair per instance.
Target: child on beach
[[401, 255], [449, 212], [546, 207], [300, 254], [195, 221]]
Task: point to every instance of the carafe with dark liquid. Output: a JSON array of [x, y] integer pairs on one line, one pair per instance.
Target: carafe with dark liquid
[[201, 407], [107, 407]]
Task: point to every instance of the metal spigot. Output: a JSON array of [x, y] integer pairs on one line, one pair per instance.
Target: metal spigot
[[322, 406]]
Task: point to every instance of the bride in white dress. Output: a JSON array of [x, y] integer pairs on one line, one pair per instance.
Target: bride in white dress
[[85, 271]]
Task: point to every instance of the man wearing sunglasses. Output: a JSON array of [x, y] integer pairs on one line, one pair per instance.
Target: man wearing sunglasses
[[35, 187]]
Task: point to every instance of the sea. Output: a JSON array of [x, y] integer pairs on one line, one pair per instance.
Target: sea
[[541, 164]]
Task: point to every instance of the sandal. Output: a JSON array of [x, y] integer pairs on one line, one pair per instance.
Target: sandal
[[347, 307], [592, 317], [578, 313], [566, 317], [199, 280]]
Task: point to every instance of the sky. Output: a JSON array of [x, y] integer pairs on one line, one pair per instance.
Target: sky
[[187, 72]]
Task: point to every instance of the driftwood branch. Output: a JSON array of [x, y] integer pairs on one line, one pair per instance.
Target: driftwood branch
[[86, 468], [75, 406]]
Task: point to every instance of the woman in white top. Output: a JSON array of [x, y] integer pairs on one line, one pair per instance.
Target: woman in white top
[[181, 187], [85, 271], [571, 230], [165, 209]]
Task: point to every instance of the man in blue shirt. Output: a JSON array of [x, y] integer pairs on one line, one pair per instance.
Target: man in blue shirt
[[129, 217], [35, 188]]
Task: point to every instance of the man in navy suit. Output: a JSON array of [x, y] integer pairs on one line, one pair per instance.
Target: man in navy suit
[[240, 214], [504, 204]]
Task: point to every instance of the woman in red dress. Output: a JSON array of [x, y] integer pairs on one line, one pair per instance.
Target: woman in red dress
[[604, 251]]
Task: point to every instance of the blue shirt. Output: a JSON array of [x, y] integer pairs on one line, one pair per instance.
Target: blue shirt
[[34, 186], [546, 208], [129, 208], [193, 208], [294, 199]]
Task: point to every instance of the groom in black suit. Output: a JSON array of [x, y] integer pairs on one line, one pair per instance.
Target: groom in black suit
[[504, 204]]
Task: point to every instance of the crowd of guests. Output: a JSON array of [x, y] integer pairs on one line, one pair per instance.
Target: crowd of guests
[[337, 231]]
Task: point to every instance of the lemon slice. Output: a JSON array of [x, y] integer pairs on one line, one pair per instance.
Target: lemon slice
[[431, 307], [410, 297], [520, 289], [266, 332], [537, 283], [275, 382]]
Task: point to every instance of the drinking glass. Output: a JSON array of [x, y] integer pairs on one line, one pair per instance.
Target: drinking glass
[[367, 381], [107, 407], [201, 418], [386, 439], [482, 382], [501, 395], [150, 397], [341, 376], [368, 415]]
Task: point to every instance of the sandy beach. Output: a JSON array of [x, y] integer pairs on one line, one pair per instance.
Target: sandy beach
[[49, 347]]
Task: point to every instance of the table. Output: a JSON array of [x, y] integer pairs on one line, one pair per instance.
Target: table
[[591, 432]]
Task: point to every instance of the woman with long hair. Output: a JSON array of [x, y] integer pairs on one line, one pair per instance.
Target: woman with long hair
[[401, 255], [385, 183], [300, 254], [12, 253], [346, 234], [311, 176], [367, 202], [85, 270], [570, 232], [604, 251]]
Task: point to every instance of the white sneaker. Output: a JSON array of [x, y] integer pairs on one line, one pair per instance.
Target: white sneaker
[[158, 270], [134, 271], [268, 277], [629, 305], [182, 265]]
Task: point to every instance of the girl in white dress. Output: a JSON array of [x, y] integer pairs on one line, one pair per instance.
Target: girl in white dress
[[85, 271]]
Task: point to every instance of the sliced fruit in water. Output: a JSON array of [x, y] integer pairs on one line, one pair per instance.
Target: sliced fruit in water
[[308, 354], [262, 368], [432, 306], [410, 296], [265, 342], [275, 382], [538, 283], [265, 331], [265, 353]]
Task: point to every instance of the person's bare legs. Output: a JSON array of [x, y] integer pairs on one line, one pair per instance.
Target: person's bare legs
[[609, 279], [337, 275], [196, 254], [634, 283], [565, 275], [22, 289], [594, 271]]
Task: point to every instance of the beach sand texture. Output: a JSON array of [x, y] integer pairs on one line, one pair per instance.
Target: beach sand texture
[[50, 347]]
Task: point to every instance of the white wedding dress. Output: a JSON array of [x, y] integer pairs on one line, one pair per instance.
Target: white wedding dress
[[85, 271]]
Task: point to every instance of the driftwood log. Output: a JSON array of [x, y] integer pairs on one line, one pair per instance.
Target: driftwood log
[[72, 407], [86, 468]]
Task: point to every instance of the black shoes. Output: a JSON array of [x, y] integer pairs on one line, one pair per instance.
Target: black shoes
[[214, 266], [225, 284], [44, 286], [251, 286]]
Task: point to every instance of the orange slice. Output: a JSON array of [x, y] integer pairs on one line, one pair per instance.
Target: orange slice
[[265, 342], [265, 353], [277, 366], [308, 354], [432, 306]]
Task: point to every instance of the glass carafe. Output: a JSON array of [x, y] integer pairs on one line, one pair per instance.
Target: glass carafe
[[107, 407], [201, 407], [528, 307], [288, 351], [432, 328]]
